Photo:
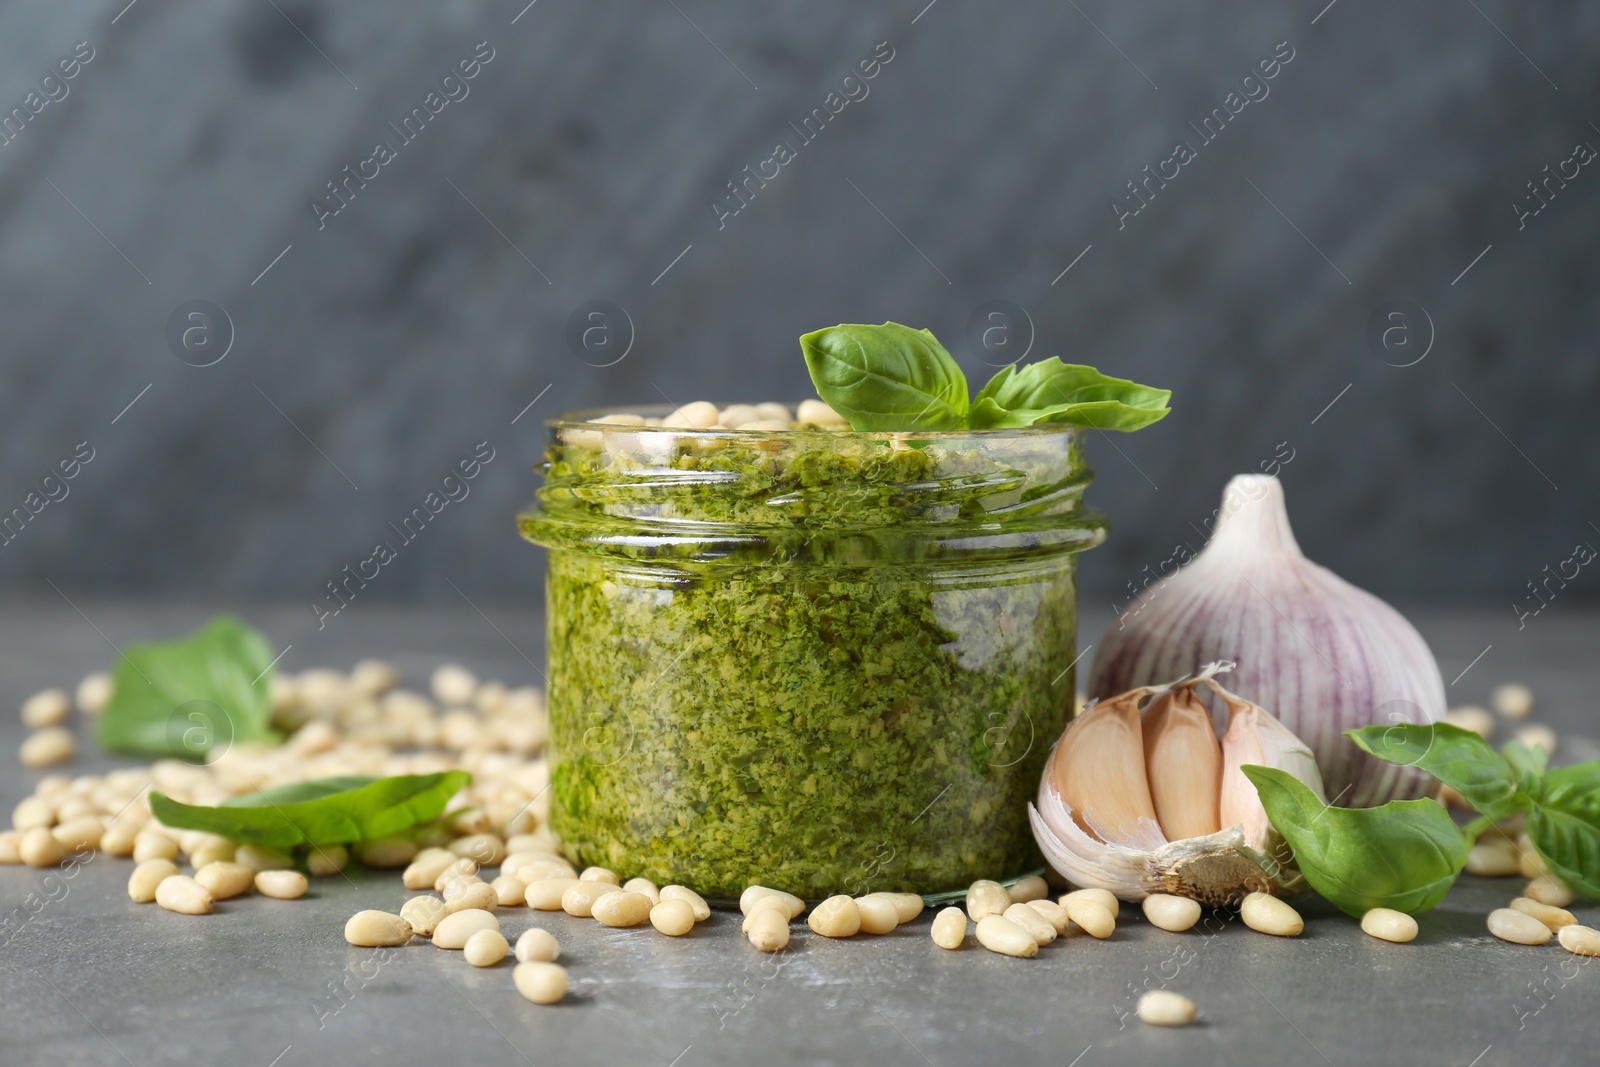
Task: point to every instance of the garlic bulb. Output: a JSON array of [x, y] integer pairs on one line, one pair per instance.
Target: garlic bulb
[[1141, 802], [1320, 654]]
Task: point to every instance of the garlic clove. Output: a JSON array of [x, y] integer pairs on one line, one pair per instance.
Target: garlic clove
[[1098, 770], [1255, 737], [1183, 763]]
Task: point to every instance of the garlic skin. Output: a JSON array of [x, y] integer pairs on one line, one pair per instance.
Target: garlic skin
[[1320, 654], [1096, 822]]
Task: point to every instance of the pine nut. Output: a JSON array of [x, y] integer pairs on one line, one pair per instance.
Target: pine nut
[[1517, 927], [94, 693], [184, 895], [48, 707], [1032, 887], [819, 414], [909, 905], [1471, 718], [702, 910], [426, 868], [326, 860], [47, 747], [794, 907], [771, 409], [1160, 1007], [546, 893], [838, 916], [540, 982], [673, 917], [531, 871], [645, 886], [453, 684], [1554, 918], [1038, 927], [478, 896], [697, 415], [1093, 917], [146, 877], [1548, 889], [485, 948], [453, 930], [1269, 915], [222, 852], [81, 834], [375, 928], [461, 866], [768, 929], [1494, 858], [487, 850], [878, 914], [999, 934], [1530, 864], [282, 885], [621, 909], [225, 880], [10, 847], [33, 812], [509, 890], [950, 928], [120, 838], [1580, 940], [985, 898], [1171, 912], [538, 945], [580, 897], [1537, 735], [423, 913], [600, 874], [1512, 701], [39, 848], [153, 845], [1386, 924], [768, 903], [382, 853], [1053, 913], [1104, 897], [259, 858]]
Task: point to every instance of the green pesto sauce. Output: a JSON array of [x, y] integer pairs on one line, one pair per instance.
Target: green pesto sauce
[[789, 674]]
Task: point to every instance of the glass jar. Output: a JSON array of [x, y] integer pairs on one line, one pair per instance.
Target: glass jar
[[821, 660]]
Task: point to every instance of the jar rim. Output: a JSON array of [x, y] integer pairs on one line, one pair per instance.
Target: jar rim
[[580, 419]]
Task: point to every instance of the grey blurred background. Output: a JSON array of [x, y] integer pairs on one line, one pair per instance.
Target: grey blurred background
[[1446, 454]]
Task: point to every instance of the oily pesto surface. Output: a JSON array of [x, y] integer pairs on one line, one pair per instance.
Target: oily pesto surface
[[793, 674]]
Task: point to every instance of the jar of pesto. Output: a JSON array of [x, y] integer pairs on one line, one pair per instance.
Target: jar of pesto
[[826, 661]]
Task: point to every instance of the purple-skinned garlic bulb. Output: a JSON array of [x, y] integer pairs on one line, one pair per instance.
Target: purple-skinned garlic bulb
[[1315, 651]]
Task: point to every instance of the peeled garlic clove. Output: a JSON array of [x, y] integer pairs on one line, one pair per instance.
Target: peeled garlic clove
[[1183, 763], [1320, 654], [1098, 770], [1095, 828]]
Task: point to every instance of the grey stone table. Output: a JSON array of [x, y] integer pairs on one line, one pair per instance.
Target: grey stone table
[[90, 978]]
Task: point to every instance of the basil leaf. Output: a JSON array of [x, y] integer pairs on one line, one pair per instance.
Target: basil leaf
[[328, 811], [1526, 763], [887, 377], [184, 697], [1459, 758], [1404, 855], [1057, 392], [1564, 825]]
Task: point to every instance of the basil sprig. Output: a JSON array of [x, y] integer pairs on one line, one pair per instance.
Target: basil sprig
[[893, 378], [1404, 855], [185, 697], [327, 811], [1561, 808]]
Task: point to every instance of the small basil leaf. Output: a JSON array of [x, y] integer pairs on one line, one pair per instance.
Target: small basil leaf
[[887, 377], [1459, 758], [988, 415], [1403, 855], [184, 697], [1057, 392], [1564, 825], [328, 811], [1526, 763]]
